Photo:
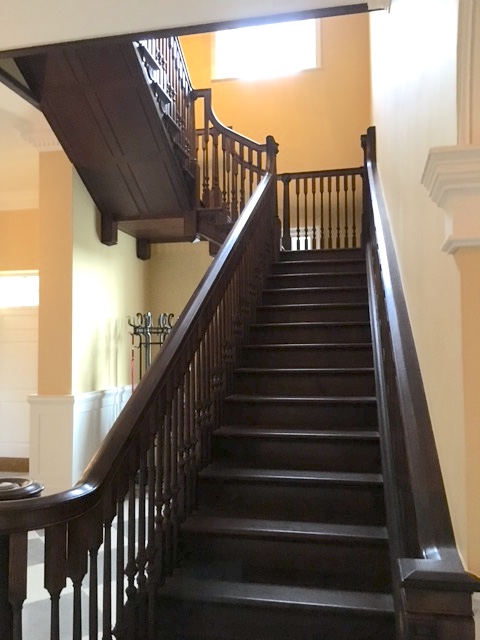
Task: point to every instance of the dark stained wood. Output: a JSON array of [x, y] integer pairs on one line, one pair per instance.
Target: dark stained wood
[[99, 104], [428, 576]]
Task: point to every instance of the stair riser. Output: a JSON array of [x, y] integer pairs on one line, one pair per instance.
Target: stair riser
[[322, 255], [318, 314], [293, 281], [313, 296], [310, 356], [334, 502], [318, 266], [179, 620], [360, 565], [305, 333], [336, 455], [295, 415], [306, 384]]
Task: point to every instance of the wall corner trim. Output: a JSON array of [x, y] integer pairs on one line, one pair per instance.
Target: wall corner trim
[[452, 178]]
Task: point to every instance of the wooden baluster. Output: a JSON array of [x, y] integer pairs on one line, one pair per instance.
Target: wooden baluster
[[314, 221], [152, 551], [173, 451], [120, 566], [286, 236], [205, 166], [107, 581], [322, 213], [217, 196], [17, 579], [329, 187], [305, 212], [181, 456], [228, 172], [131, 567], [224, 186], [354, 214], [345, 192], [167, 480], [142, 557], [159, 567], [234, 183], [55, 572], [77, 561], [337, 192], [250, 171], [297, 193], [242, 176]]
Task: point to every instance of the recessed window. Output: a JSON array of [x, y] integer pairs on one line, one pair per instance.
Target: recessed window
[[19, 290], [267, 51]]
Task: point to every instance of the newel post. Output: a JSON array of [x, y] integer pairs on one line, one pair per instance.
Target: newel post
[[272, 150]]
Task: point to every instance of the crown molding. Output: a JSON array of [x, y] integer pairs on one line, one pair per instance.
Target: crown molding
[[42, 138], [17, 200], [452, 178], [373, 5]]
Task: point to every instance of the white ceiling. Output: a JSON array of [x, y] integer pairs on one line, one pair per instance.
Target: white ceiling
[[21, 125]]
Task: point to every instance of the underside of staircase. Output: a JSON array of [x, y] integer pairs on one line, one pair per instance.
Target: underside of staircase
[[289, 540]]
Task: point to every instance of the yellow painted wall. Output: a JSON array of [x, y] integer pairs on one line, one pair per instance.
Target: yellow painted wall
[[414, 109], [108, 286], [19, 240], [316, 116], [55, 266], [174, 273]]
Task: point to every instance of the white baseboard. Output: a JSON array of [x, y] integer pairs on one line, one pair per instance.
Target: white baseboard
[[65, 432]]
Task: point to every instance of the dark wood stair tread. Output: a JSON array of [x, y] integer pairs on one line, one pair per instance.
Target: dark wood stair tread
[[240, 431], [221, 472], [312, 324], [306, 400], [305, 370], [286, 530], [315, 305], [319, 290], [310, 345], [278, 596]]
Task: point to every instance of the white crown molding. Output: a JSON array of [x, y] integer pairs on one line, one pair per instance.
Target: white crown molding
[[373, 5], [42, 138], [17, 200], [452, 178]]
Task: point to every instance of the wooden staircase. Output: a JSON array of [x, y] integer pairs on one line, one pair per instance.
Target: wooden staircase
[[289, 539]]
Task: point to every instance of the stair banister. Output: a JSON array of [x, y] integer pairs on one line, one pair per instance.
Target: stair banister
[[429, 580], [147, 464]]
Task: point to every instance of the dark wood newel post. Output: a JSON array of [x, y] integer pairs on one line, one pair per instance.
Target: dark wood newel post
[[368, 142], [13, 575], [271, 165]]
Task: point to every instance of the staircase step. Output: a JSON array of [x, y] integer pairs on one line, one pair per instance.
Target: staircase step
[[322, 279], [337, 312], [302, 412], [340, 497], [293, 333], [307, 295], [347, 265], [286, 552], [305, 382], [217, 609], [308, 355], [256, 447], [326, 255]]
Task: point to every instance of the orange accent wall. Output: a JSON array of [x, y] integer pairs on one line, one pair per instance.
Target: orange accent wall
[[316, 116], [19, 240]]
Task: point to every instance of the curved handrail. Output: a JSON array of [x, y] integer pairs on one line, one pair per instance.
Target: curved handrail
[[420, 525], [230, 165]]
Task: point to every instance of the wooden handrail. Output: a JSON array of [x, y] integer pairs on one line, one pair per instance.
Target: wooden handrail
[[321, 209], [146, 467], [425, 561]]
